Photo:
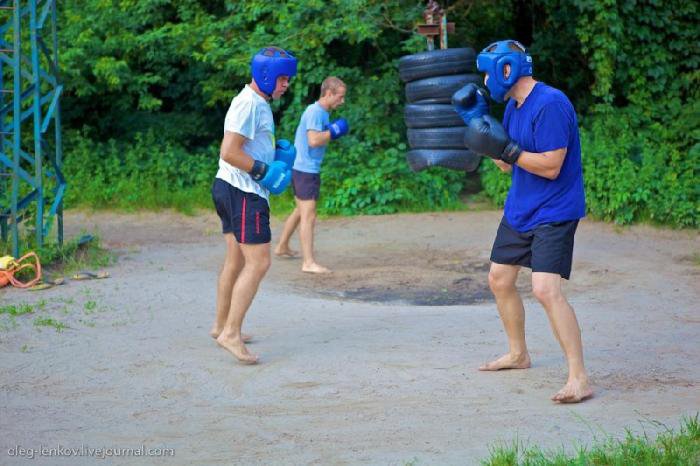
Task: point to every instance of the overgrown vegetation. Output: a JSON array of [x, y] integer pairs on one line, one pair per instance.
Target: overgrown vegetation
[[80, 253], [148, 83], [669, 448]]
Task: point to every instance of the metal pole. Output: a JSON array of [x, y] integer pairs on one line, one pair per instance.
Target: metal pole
[[443, 30], [4, 174], [16, 118], [57, 115], [38, 172]]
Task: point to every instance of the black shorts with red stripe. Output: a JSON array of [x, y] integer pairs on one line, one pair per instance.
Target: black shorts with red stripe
[[244, 214]]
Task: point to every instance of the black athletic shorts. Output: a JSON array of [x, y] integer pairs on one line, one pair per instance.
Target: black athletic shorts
[[244, 214], [546, 248], [306, 186]]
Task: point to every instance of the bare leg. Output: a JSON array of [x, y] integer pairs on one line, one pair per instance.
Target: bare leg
[[229, 273], [547, 289], [282, 249], [257, 262], [307, 210], [510, 307]]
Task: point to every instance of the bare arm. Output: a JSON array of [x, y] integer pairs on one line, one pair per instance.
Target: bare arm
[[318, 138], [505, 167], [232, 151], [545, 164]]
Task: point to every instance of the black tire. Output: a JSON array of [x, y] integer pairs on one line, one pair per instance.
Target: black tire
[[436, 138], [436, 63], [463, 160], [438, 101], [438, 89], [431, 116]]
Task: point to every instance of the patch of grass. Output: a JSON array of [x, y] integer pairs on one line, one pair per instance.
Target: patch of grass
[[16, 310], [471, 199], [670, 447], [76, 254], [49, 322]]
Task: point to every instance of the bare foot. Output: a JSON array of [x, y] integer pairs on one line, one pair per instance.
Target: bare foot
[[507, 361], [575, 391], [238, 349], [215, 332], [285, 252], [315, 268]]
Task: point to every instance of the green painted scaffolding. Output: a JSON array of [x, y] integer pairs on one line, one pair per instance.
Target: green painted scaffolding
[[31, 182]]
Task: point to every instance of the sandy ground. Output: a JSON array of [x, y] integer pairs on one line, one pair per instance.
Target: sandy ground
[[375, 364]]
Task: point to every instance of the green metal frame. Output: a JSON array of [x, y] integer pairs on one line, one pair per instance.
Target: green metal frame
[[30, 161]]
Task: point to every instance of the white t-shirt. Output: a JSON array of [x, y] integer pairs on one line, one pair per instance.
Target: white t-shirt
[[250, 116]]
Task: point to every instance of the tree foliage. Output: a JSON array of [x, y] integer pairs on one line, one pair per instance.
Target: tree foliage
[[169, 68]]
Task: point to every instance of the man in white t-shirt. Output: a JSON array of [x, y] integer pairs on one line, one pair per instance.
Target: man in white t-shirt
[[313, 134], [251, 166]]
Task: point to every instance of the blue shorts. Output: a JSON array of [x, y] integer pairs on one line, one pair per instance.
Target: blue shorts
[[306, 186], [244, 214], [546, 248]]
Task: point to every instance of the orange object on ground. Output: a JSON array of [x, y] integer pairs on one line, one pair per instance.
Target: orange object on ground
[[7, 274]]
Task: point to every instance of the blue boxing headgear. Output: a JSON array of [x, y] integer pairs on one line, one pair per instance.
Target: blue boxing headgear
[[493, 59], [269, 64]]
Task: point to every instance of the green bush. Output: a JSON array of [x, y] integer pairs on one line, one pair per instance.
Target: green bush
[[639, 175], [385, 184], [629, 175], [150, 174], [496, 183], [147, 174], [173, 68], [147, 85]]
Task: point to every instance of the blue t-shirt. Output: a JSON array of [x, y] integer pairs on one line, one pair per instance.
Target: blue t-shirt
[[546, 121], [309, 159]]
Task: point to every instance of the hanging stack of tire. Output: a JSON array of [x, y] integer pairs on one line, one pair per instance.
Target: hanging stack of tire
[[435, 130]]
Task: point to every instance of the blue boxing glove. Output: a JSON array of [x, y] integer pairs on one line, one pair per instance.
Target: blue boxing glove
[[285, 152], [470, 102], [274, 177], [339, 128]]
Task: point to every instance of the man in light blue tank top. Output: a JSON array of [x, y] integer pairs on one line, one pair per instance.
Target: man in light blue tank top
[[313, 134]]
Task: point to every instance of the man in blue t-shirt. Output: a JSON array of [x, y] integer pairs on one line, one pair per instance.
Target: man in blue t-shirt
[[539, 143], [313, 134]]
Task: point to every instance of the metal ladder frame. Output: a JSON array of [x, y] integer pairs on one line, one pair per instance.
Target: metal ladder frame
[[36, 92]]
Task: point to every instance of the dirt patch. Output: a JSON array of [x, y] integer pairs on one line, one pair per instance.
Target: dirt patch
[[653, 379], [423, 278], [344, 381]]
